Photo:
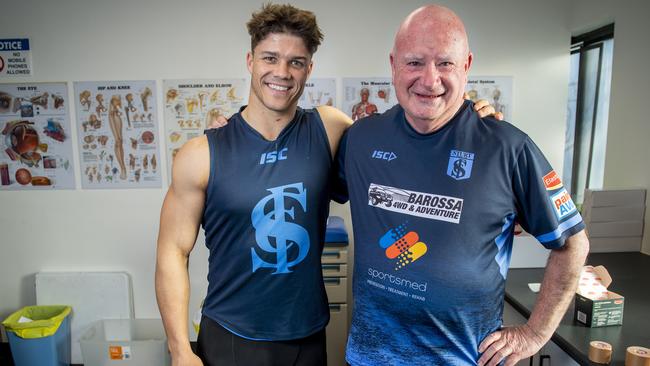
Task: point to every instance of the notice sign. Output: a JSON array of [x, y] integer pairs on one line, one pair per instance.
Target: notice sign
[[15, 57]]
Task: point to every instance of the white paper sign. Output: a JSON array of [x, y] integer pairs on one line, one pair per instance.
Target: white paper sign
[[15, 57]]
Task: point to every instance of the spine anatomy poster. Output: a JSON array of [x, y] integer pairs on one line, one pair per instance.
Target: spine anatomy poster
[[495, 89], [318, 92], [117, 127], [365, 96], [36, 145], [190, 105]]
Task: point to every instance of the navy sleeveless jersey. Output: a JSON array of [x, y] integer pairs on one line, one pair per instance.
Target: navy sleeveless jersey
[[433, 219], [265, 214]]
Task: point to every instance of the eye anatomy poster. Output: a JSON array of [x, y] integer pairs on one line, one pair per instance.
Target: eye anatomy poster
[[117, 126], [365, 96], [36, 148], [190, 105], [495, 89], [318, 92]]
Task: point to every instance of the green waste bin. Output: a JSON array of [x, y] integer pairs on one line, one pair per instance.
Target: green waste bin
[[40, 335]]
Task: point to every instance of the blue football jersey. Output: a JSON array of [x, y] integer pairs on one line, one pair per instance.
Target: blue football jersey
[[266, 208], [433, 218]]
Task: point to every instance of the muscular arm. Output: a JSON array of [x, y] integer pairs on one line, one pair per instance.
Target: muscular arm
[[179, 224], [558, 286], [336, 123]]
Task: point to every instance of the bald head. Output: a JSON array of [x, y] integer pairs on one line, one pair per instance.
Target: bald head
[[432, 20], [430, 61]]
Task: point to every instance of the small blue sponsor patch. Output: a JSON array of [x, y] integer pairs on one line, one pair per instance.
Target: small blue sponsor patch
[[563, 204], [460, 164]]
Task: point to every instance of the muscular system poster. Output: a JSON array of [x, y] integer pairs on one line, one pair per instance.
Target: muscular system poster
[[191, 104], [318, 91], [365, 96], [117, 126], [35, 137]]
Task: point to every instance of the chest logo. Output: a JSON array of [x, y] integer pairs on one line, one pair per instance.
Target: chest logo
[[273, 156], [384, 155], [282, 242], [460, 164], [401, 246]]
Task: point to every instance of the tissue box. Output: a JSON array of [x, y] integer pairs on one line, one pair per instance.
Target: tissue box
[[594, 305]]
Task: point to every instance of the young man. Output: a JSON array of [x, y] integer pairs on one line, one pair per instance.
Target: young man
[[259, 187], [431, 259]]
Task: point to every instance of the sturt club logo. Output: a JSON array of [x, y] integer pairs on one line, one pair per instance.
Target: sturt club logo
[[460, 164], [283, 241]]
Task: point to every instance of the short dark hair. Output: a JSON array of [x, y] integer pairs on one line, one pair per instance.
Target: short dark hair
[[285, 18]]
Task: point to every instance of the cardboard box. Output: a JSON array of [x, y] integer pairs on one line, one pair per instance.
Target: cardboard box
[[593, 307], [621, 229], [614, 197]]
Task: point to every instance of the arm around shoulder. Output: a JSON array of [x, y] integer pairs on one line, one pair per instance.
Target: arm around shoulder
[[180, 219]]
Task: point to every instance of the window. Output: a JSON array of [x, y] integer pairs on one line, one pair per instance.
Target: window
[[588, 111]]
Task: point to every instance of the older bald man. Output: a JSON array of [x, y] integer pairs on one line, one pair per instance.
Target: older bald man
[[435, 191]]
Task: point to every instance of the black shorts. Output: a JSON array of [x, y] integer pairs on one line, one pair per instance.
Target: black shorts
[[216, 346]]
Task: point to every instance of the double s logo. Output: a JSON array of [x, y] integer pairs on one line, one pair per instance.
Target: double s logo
[[274, 234], [460, 164]]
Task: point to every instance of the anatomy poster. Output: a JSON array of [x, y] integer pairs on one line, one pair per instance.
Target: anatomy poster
[[495, 89], [318, 92], [36, 145], [191, 104], [118, 134], [365, 96]]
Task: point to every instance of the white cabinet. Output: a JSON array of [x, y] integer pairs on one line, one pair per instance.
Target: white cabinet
[[335, 275]]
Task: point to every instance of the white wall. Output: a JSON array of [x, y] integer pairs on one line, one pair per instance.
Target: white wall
[[628, 150], [83, 230]]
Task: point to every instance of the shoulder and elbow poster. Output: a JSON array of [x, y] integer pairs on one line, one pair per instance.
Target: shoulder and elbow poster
[[191, 104]]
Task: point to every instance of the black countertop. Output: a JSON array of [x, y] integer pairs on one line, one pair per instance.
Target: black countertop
[[630, 277]]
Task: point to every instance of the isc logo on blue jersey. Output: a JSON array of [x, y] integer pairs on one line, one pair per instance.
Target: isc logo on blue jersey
[[460, 164], [273, 156], [384, 155]]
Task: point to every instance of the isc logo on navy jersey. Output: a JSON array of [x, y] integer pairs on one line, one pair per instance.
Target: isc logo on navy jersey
[[384, 155], [273, 156], [460, 164]]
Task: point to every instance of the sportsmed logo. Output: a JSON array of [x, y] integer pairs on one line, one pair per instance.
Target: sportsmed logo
[[384, 155], [426, 205], [404, 246], [460, 164], [552, 181], [290, 240]]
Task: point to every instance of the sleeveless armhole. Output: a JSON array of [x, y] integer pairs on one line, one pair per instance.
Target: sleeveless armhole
[[212, 146], [323, 131]]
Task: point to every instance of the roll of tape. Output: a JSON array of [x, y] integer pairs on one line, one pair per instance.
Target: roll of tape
[[600, 352], [637, 356]]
